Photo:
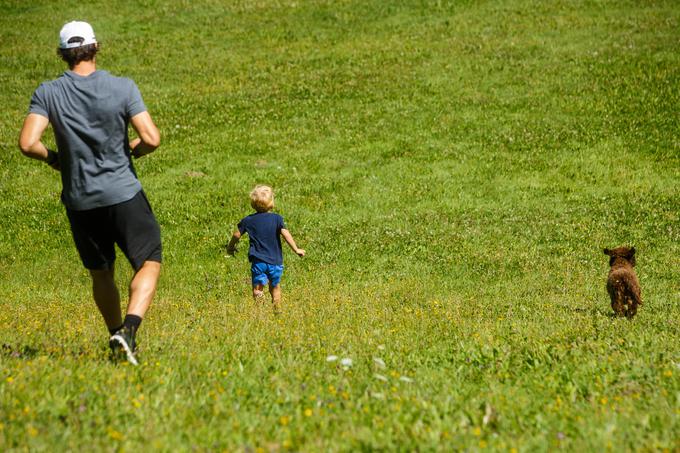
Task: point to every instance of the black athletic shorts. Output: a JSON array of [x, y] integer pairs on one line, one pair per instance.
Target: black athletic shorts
[[130, 224]]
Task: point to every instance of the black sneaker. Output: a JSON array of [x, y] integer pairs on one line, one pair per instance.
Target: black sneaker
[[122, 344]]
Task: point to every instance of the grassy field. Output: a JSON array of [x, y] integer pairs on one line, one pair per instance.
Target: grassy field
[[453, 170]]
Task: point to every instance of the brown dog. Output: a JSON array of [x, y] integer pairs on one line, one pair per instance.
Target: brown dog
[[622, 283]]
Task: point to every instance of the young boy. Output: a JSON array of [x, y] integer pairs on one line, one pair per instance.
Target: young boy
[[265, 229]]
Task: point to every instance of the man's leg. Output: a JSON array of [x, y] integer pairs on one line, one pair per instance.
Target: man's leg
[[143, 288], [106, 297]]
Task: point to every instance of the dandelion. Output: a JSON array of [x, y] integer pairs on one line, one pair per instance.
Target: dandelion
[[331, 358], [308, 412], [668, 373], [477, 431], [284, 420], [115, 435], [9, 379]]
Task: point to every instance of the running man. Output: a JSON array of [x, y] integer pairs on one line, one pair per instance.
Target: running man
[[89, 111]]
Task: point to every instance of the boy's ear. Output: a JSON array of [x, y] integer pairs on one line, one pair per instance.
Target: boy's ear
[[607, 252]]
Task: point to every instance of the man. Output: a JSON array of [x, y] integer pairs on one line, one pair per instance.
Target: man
[[90, 110]]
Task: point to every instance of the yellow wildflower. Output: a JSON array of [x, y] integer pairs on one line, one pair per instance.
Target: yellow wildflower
[[115, 435]]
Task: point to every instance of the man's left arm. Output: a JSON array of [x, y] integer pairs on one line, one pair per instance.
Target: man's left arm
[[30, 142], [149, 138]]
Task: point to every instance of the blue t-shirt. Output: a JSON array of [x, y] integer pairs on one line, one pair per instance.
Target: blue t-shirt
[[90, 116], [264, 231]]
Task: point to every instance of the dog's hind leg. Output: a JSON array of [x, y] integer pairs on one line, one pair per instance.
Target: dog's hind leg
[[618, 299]]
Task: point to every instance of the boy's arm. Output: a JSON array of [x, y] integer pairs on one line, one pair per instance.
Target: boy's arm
[[289, 239], [231, 247]]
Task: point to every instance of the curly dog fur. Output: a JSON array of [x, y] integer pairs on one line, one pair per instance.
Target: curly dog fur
[[622, 284]]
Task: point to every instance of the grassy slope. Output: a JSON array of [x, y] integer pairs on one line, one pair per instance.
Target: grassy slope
[[453, 169]]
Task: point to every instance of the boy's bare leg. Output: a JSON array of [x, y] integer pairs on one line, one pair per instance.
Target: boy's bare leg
[[258, 292], [275, 292], [143, 288], [106, 296]]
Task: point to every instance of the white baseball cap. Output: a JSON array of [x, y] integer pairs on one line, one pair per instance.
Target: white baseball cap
[[76, 29]]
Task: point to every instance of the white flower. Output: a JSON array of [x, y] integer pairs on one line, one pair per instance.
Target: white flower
[[379, 396], [331, 358], [381, 347], [346, 362], [380, 377], [378, 361], [405, 379]]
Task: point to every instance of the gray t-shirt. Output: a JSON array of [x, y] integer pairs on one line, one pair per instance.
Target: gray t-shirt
[[90, 117]]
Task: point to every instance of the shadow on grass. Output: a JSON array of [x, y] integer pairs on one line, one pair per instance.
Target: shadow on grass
[[604, 312], [19, 352], [29, 352]]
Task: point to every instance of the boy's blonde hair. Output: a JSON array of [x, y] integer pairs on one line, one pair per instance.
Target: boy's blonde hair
[[262, 198]]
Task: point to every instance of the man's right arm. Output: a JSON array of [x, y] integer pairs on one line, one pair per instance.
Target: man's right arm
[[149, 138], [29, 140]]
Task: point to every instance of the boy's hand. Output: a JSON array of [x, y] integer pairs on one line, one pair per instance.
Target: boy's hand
[[231, 246], [300, 252]]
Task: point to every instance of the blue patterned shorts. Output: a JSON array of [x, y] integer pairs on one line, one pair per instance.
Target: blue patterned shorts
[[264, 272]]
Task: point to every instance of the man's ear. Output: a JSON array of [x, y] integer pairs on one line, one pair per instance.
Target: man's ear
[[632, 252], [607, 252]]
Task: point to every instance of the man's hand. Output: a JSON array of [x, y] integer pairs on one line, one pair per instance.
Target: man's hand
[[52, 160], [300, 252]]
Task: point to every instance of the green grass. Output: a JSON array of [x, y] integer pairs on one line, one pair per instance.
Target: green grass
[[453, 170]]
